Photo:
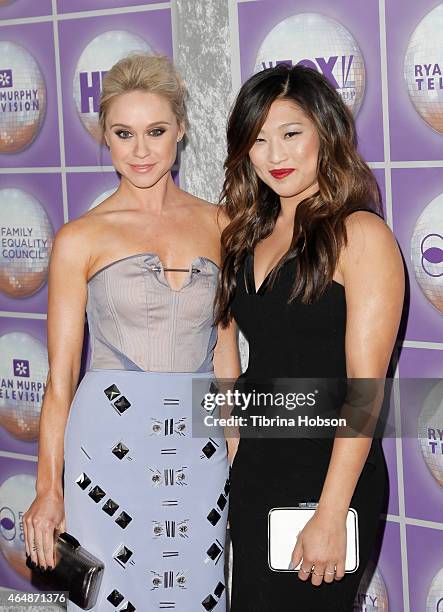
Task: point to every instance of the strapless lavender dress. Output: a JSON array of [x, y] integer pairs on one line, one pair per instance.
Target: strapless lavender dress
[[141, 492]]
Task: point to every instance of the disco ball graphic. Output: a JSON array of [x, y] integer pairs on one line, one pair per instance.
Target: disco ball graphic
[[26, 243], [96, 59], [16, 495], [23, 97], [427, 252], [372, 594], [321, 43], [430, 422], [102, 197], [23, 373], [423, 68], [434, 600]]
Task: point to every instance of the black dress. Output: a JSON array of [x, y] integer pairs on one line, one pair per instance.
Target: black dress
[[294, 340]]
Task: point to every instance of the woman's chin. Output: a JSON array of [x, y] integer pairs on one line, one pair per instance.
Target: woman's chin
[[142, 181], [286, 191]]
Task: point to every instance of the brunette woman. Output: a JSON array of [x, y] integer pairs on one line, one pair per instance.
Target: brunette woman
[[314, 279]]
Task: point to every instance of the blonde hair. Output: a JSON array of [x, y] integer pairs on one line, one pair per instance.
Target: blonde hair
[[149, 73]]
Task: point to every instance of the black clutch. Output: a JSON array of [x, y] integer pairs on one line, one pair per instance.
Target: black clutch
[[76, 571]]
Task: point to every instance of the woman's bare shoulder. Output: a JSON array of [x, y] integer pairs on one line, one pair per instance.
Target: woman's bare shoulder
[[216, 213], [371, 250], [367, 231], [207, 211], [74, 242]]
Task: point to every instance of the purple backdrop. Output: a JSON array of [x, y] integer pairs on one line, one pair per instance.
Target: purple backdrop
[[85, 187], [425, 560], [423, 494], [47, 189], [389, 448], [256, 19], [389, 565], [68, 6], [26, 8], [10, 578], [38, 39], [37, 329], [411, 138], [412, 190]]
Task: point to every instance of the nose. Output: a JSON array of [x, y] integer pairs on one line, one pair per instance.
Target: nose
[[276, 151], [141, 149]]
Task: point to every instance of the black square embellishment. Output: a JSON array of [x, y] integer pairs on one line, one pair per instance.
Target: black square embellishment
[[213, 388], [219, 589], [120, 450], [112, 392], [83, 481], [227, 487], [221, 502], [123, 554], [213, 517], [123, 520], [209, 449], [115, 598], [128, 608], [97, 494], [209, 603], [213, 551], [122, 404], [110, 507]]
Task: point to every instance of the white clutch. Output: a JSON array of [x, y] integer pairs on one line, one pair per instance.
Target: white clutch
[[284, 525]]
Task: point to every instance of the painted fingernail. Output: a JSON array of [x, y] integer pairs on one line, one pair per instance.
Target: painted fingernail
[[291, 566]]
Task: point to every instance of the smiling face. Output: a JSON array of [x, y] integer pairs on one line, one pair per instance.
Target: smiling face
[[285, 153], [142, 132]]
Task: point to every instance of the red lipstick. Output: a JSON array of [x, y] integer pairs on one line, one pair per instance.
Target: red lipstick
[[281, 173]]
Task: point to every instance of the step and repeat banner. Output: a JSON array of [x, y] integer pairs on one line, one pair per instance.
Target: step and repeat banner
[[386, 60]]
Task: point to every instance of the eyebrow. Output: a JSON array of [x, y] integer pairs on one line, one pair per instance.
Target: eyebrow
[[149, 124], [290, 123], [285, 125]]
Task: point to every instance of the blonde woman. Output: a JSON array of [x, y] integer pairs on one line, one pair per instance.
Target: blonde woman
[[140, 492]]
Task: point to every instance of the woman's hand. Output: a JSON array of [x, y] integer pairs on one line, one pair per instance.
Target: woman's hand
[[321, 545], [44, 517]]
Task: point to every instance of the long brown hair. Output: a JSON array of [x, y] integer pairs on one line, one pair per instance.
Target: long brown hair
[[345, 183]]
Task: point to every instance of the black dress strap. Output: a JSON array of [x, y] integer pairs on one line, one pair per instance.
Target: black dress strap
[[366, 209]]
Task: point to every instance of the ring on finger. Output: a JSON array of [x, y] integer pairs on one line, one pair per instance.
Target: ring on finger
[[315, 573], [306, 571], [330, 573]]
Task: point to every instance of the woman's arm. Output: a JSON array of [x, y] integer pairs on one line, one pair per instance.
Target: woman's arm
[[374, 284], [373, 275], [227, 369], [66, 308], [226, 355]]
